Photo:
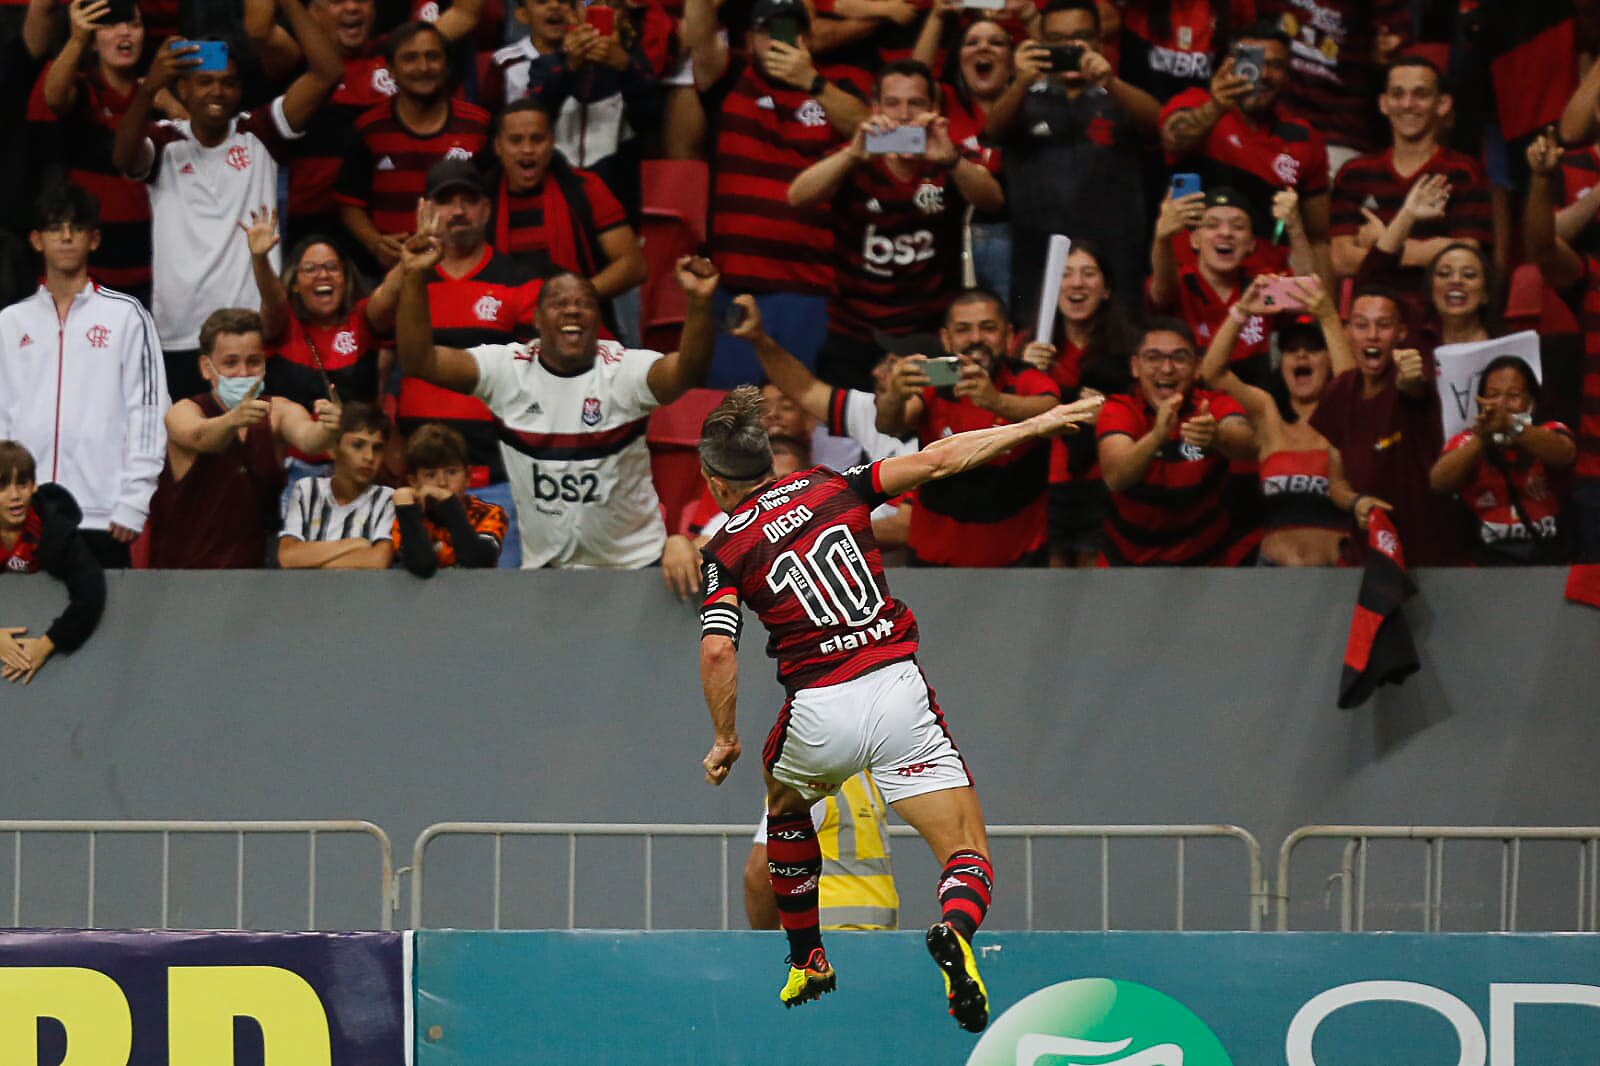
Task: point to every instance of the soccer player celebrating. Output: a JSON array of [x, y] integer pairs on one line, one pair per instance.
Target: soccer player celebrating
[[800, 551]]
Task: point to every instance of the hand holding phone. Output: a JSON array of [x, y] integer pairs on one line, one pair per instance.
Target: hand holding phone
[[1185, 185], [602, 17], [1065, 58], [902, 140], [942, 372], [1283, 293], [1248, 61], [212, 55]]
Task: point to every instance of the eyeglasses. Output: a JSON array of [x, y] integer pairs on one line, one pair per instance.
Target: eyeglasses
[[1179, 358], [313, 269]]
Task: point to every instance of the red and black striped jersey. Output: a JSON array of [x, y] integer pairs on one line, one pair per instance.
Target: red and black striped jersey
[[493, 303], [315, 158], [349, 354], [523, 233], [1284, 152], [1203, 309], [1185, 56], [1332, 79], [122, 260], [897, 250], [385, 167], [1175, 515], [1588, 466], [801, 554], [994, 514], [769, 133], [1371, 182]]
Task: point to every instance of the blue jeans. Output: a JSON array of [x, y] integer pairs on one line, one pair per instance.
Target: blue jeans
[[1583, 511], [799, 323], [991, 258], [500, 495]]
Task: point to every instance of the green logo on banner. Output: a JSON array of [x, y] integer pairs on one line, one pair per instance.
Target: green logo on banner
[[1096, 1021]]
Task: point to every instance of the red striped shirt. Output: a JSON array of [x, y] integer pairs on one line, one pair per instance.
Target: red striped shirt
[[1332, 79], [1371, 182], [1184, 58], [897, 250], [1588, 465], [386, 166], [1175, 515], [316, 157], [769, 134], [529, 243], [123, 259], [1204, 309], [349, 353]]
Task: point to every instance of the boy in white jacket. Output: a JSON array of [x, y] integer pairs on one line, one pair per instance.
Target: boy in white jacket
[[82, 384]]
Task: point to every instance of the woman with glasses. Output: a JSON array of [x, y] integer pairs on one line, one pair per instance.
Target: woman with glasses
[[1308, 502], [321, 331]]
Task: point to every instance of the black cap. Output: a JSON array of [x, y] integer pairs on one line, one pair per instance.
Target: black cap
[[454, 174], [1301, 331], [764, 11], [1222, 196]]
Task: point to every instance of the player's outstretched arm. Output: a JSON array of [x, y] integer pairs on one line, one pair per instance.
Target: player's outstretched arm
[[963, 451], [719, 680], [782, 369]]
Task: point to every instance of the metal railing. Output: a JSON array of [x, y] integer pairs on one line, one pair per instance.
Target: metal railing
[[1352, 873], [93, 830], [1257, 892]]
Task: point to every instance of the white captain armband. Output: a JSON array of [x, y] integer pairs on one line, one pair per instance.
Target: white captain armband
[[721, 619]]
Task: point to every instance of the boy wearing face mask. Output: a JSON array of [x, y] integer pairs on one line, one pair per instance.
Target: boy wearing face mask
[[216, 504]]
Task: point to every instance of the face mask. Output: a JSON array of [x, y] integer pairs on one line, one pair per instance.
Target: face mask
[[231, 392]]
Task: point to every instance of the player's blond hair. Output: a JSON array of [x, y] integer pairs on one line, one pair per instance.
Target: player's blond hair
[[733, 438]]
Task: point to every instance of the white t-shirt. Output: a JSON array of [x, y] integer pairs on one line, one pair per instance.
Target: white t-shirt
[[315, 516], [198, 197], [575, 454]]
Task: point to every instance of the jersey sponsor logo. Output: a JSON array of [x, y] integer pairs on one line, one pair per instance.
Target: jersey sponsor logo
[[949, 884], [765, 103], [782, 870], [1180, 64], [591, 411], [1487, 501], [786, 523], [929, 198], [742, 519], [1294, 484], [487, 308], [1287, 168], [811, 114], [790, 834], [808, 885], [344, 342], [383, 81], [458, 152], [238, 157], [917, 769], [1370, 203], [533, 409], [882, 254], [874, 206], [99, 336], [385, 164], [851, 641], [567, 488], [1499, 532]]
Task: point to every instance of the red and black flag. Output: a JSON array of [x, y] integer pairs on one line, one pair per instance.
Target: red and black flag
[[1380, 650], [1583, 584], [1532, 54]]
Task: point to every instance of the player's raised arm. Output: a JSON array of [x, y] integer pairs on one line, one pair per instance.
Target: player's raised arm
[[448, 368], [963, 451]]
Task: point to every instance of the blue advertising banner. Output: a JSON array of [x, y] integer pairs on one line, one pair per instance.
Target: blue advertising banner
[[1058, 999], [203, 999]]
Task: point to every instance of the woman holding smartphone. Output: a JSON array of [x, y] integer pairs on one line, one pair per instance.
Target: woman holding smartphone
[[1307, 498]]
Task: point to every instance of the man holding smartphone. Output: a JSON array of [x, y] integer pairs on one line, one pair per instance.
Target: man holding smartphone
[[1071, 133], [897, 194], [1240, 134]]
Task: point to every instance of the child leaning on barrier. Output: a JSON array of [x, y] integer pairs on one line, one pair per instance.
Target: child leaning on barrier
[[436, 523]]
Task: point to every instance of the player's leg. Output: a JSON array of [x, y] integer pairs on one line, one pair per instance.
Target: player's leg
[[760, 908], [794, 865]]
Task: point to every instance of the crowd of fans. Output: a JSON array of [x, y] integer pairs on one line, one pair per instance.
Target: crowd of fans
[[333, 283]]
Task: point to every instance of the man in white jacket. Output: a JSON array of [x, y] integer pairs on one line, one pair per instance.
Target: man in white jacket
[[81, 380]]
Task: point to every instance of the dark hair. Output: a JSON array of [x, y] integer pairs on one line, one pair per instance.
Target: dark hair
[[1262, 29], [401, 35], [363, 418], [16, 464], [1489, 313], [1520, 365], [1089, 7], [1167, 324], [733, 438], [1416, 61], [974, 296], [1113, 334], [232, 320], [559, 276], [526, 105], [1382, 292], [66, 201], [354, 287], [435, 445], [955, 34], [907, 68]]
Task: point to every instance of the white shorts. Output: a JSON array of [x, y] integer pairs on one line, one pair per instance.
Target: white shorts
[[885, 721]]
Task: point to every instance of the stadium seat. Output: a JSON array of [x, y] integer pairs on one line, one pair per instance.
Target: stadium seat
[[673, 434], [1524, 298], [673, 224]]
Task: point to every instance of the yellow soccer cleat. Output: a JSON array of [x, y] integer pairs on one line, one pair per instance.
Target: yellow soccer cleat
[[963, 988], [808, 982]]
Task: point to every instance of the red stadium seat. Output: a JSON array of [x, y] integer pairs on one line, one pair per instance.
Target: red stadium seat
[[1524, 298], [673, 434], [673, 225]]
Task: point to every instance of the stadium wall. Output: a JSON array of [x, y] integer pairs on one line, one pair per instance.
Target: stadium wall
[[1077, 697]]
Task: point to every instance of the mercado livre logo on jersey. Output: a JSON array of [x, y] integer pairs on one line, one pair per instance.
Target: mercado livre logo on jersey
[[1098, 1021]]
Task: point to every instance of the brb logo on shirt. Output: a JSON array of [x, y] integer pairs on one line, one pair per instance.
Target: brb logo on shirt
[[238, 157]]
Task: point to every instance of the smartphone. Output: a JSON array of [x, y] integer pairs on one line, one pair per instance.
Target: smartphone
[[1248, 59], [785, 29], [732, 318], [903, 140], [1185, 185], [602, 17], [1065, 58], [942, 372], [1283, 294], [984, 5], [213, 55], [117, 11]]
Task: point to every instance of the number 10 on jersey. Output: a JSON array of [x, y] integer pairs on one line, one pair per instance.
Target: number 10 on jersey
[[832, 581]]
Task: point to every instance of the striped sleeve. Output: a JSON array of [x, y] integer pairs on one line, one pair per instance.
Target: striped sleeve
[[144, 393], [297, 521], [380, 519]]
